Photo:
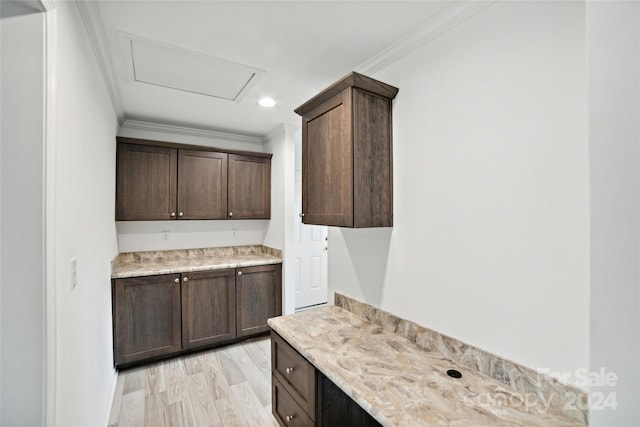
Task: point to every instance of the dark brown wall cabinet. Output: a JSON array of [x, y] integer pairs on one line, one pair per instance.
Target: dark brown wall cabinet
[[166, 315], [347, 178], [303, 396], [163, 182]]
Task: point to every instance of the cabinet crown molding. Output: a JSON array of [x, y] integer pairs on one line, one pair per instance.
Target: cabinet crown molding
[[353, 79]]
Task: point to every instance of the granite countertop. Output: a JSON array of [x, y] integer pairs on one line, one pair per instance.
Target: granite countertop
[[151, 263], [401, 384]]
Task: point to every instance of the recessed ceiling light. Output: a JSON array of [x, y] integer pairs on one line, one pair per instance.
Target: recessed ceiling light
[[267, 102]]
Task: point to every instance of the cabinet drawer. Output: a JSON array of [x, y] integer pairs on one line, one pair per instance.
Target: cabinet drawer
[[294, 372], [285, 409]]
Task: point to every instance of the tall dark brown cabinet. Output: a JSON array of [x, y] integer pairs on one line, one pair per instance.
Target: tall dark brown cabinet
[[347, 177]]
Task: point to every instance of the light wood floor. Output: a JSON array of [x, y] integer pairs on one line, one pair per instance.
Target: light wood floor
[[228, 386]]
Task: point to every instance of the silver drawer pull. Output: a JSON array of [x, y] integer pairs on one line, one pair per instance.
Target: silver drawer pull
[[176, 280], [185, 279], [289, 371], [290, 417]]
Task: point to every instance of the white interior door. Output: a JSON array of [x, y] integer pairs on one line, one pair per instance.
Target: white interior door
[[309, 251]]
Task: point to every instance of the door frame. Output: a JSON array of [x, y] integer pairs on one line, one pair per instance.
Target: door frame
[[50, 23]]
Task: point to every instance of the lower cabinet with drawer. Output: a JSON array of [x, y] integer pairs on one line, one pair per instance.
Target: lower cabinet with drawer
[[302, 396], [165, 315]]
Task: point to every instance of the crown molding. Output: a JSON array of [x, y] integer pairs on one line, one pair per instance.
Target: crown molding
[[47, 5], [448, 18], [189, 131], [90, 13], [282, 129]]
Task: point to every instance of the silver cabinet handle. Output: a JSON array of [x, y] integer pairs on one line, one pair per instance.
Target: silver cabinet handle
[[181, 214], [301, 214], [290, 417], [185, 279], [173, 214], [230, 214], [176, 280], [239, 273], [289, 371]]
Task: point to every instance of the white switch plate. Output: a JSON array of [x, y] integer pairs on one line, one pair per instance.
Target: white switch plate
[[165, 235], [74, 272]]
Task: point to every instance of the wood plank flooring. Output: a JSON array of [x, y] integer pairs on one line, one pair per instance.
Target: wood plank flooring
[[224, 387]]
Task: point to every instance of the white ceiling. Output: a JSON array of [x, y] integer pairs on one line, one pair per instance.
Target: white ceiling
[[298, 48]]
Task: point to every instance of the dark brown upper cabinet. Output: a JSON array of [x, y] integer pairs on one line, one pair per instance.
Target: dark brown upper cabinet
[[347, 178], [249, 187], [202, 184], [163, 181], [147, 183]]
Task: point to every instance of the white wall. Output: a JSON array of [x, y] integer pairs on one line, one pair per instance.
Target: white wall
[[490, 242], [613, 51], [136, 236], [85, 228], [22, 219], [279, 235]]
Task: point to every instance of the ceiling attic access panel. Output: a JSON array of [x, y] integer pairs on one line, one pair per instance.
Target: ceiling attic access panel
[[189, 71], [347, 154]]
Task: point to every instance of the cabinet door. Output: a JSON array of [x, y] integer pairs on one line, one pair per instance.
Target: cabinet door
[[327, 163], [147, 317], [259, 297], [249, 187], [208, 307], [146, 182], [202, 185]]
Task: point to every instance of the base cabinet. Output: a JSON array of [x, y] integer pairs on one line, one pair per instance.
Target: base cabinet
[[302, 396], [258, 298], [146, 317], [208, 308], [160, 316]]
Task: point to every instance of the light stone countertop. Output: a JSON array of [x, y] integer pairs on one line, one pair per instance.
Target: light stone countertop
[[133, 264], [401, 384]]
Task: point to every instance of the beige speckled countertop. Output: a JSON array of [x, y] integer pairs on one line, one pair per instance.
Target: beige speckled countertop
[[401, 384], [134, 264]]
